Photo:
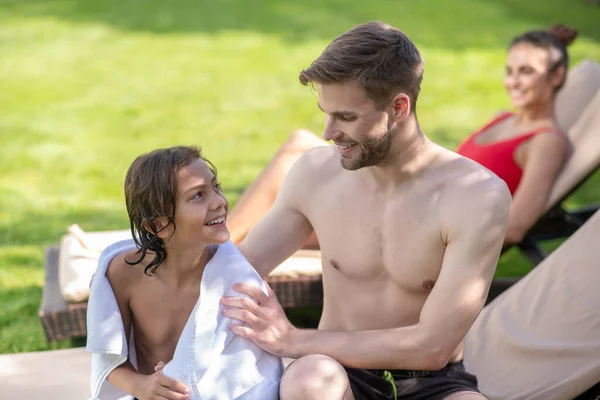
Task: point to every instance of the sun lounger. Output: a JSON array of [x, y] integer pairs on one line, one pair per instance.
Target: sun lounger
[[540, 339]]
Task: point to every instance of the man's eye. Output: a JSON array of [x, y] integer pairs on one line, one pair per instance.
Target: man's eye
[[347, 118]]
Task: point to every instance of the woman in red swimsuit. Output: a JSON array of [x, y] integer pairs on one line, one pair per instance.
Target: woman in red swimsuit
[[524, 147]]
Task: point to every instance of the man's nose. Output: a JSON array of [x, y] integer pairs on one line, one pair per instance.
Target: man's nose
[[330, 132]]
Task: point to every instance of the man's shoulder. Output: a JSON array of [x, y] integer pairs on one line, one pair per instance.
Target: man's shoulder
[[319, 157], [463, 173], [469, 185], [316, 165]]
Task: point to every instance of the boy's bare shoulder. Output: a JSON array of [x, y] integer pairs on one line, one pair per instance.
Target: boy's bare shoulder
[[121, 273]]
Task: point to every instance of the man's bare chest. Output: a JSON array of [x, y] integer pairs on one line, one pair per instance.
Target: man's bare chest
[[373, 238]]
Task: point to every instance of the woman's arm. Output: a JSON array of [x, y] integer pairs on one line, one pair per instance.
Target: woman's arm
[[546, 154]]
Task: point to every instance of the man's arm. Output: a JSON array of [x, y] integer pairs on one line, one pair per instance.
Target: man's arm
[[476, 222], [285, 228]]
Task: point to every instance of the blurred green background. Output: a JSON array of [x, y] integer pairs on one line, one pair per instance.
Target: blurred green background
[[87, 85]]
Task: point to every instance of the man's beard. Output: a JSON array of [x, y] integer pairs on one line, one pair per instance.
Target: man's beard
[[375, 152]]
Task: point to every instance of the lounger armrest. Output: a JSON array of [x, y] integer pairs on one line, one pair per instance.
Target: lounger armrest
[[52, 299]]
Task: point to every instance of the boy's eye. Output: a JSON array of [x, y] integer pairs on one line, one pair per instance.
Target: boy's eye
[[218, 187], [197, 196]]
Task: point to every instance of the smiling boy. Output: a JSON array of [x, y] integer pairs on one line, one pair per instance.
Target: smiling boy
[[177, 214]]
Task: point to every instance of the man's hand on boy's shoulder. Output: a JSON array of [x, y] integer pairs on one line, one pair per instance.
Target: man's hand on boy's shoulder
[[267, 324]]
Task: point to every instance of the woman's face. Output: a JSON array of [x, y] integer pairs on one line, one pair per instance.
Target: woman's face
[[528, 80]]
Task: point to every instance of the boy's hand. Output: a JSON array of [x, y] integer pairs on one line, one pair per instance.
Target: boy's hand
[[158, 386], [159, 366]]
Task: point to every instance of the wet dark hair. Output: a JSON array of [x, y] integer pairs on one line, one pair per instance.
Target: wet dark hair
[[379, 57], [151, 192], [558, 37]]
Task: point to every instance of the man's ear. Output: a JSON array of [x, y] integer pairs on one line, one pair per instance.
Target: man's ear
[[162, 225], [401, 104]]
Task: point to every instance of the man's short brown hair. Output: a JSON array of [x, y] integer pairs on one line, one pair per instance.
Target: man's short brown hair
[[379, 57]]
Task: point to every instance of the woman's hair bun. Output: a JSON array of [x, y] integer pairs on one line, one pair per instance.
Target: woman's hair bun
[[563, 33]]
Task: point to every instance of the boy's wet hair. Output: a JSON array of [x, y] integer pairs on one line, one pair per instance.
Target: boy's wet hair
[[151, 192]]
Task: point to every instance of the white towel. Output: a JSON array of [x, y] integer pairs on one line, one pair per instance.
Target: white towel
[[213, 362]]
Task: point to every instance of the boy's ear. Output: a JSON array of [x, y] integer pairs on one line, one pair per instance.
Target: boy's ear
[[162, 225]]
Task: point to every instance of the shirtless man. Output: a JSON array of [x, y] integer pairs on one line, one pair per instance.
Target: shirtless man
[[410, 235]]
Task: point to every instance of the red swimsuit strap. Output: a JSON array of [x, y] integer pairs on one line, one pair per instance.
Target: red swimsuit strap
[[519, 138]]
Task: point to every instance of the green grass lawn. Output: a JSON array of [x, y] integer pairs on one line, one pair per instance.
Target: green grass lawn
[[87, 85]]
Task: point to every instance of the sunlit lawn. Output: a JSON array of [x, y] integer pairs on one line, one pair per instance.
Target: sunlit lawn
[[86, 85]]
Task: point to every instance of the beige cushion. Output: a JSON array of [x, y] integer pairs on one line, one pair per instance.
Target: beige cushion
[[77, 264], [540, 339], [302, 263], [584, 136], [582, 84]]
